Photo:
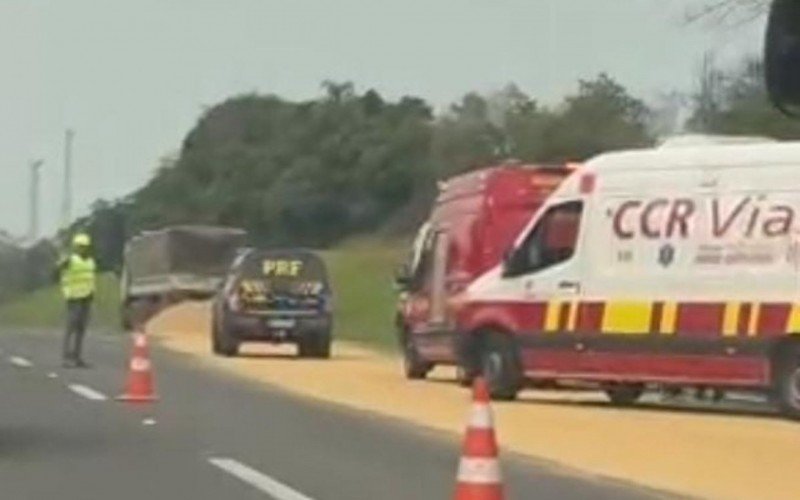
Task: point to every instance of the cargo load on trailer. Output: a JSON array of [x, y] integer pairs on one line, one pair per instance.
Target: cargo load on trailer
[[173, 264]]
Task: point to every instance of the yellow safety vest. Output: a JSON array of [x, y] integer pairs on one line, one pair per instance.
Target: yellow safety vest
[[77, 278]]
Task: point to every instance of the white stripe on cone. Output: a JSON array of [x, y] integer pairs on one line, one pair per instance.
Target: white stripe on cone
[[480, 416], [140, 365], [139, 340], [479, 471]]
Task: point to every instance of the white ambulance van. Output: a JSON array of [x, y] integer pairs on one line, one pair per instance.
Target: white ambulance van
[[675, 266]]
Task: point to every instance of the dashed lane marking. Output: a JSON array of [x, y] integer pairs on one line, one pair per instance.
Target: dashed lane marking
[[87, 392], [20, 362], [258, 480]]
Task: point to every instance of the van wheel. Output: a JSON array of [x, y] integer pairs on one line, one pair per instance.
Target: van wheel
[[501, 367], [624, 394], [787, 384], [414, 367]]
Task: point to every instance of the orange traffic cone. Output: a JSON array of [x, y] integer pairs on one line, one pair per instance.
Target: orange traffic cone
[[139, 386], [479, 470]]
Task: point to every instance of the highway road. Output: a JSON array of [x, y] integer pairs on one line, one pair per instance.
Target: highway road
[[211, 436]]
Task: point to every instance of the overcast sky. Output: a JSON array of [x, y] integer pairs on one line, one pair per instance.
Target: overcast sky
[[132, 77]]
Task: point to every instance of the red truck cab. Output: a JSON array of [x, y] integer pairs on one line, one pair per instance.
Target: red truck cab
[[474, 221]]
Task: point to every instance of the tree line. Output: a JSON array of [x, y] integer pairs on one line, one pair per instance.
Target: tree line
[[311, 173]]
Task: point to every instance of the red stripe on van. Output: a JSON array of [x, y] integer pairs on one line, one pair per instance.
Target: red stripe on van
[[534, 316], [700, 319], [590, 317], [772, 318]]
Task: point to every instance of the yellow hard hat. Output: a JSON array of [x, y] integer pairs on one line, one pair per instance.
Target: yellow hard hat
[[81, 240]]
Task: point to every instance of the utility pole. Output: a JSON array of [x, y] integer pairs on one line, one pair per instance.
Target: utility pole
[[33, 228], [66, 208]]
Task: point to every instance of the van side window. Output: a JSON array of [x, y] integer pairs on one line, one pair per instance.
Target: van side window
[[552, 240], [419, 274]]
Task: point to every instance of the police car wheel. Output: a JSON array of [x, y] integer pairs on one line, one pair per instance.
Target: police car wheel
[[315, 345], [226, 345], [215, 347], [414, 367], [788, 386], [501, 367]]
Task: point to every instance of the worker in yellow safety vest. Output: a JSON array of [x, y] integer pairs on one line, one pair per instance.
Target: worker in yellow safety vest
[[77, 276]]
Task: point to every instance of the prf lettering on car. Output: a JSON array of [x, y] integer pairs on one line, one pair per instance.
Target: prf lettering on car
[[290, 268]]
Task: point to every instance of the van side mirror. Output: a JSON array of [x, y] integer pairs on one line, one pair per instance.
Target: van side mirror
[[402, 277], [782, 55]]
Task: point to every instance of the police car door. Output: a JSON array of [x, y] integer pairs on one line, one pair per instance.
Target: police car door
[[543, 268]]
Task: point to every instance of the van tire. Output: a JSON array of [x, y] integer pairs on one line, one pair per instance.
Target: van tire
[[414, 367], [786, 386], [501, 367], [624, 394]]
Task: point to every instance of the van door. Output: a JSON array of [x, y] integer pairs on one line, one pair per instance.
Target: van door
[[436, 339], [427, 317], [543, 269]]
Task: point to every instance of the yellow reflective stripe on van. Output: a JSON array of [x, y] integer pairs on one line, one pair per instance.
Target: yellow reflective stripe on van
[[669, 318], [752, 325], [730, 320], [552, 316], [572, 318], [793, 321], [627, 317]]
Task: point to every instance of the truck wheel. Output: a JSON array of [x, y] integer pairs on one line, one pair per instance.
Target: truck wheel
[[787, 384], [624, 394], [501, 367], [414, 367]]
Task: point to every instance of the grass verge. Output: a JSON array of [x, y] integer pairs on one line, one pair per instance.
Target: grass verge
[[364, 298], [44, 308]]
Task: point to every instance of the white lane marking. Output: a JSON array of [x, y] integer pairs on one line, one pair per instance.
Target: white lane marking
[[52, 375], [149, 421], [258, 480], [87, 392], [19, 361]]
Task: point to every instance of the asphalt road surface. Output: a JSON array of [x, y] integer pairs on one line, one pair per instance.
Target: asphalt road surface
[[210, 436]]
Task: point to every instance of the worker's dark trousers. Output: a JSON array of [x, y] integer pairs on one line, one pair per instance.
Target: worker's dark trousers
[[77, 320]]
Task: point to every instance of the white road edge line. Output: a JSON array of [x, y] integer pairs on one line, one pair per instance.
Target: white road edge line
[[258, 480], [19, 361], [87, 392]]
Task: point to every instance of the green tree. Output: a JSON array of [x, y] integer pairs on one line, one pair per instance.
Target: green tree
[[735, 102]]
